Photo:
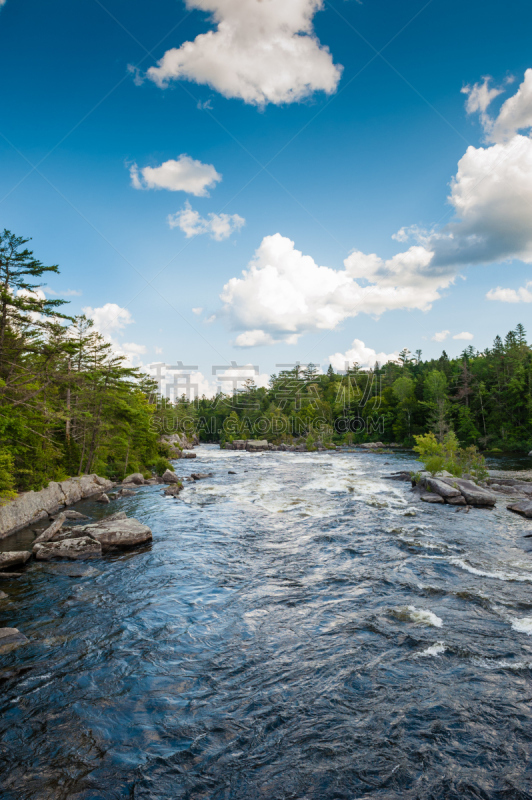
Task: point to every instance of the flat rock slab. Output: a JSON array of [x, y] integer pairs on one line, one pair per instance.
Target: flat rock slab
[[83, 547], [474, 495], [459, 500], [75, 515], [432, 497], [11, 559], [119, 533], [11, 638], [523, 507], [8, 575], [441, 488]]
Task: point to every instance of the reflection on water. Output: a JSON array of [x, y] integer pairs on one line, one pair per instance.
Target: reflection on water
[[300, 630]]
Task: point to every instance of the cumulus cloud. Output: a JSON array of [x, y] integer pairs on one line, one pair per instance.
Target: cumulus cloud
[[362, 355], [521, 295], [284, 293], [441, 336], [197, 310], [479, 97], [65, 293], [260, 52], [193, 383], [217, 226], [182, 175], [464, 336], [109, 320]]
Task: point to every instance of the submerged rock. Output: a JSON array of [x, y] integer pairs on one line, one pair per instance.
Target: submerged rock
[[11, 638], [82, 547], [197, 476], [11, 559]]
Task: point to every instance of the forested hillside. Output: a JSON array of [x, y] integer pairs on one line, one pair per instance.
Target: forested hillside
[[485, 397], [68, 404]]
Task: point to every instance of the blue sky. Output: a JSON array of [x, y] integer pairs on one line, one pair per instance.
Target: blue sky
[[332, 171]]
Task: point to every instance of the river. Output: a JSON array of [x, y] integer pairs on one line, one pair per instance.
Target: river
[[300, 630]]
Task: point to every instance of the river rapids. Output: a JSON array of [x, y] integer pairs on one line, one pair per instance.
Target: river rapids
[[300, 630]]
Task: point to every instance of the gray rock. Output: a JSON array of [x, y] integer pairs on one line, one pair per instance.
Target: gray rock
[[398, 476], [29, 507], [170, 477], [103, 498], [474, 495], [11, 559], [173, 490], [82, 547], [523, 507], [458, 500], [74, 515], [127, 493], [3, 596], [136, 477], [117, 515], [11, 638], [255, 445], [432, 497], [441, 488], [120, 533], [188, 455], [50, 532], [197, 476]]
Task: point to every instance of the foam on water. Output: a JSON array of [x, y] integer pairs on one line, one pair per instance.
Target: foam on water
[[419, 615], [434, 650], [523, 625]]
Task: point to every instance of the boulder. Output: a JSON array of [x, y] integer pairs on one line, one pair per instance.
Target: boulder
[[127, 493], [399, 476], [136, 477], [188, 455], [197, 476], [119, 533], [431, 497], [74, 515], [11, 638], [3, 595], [523, 507], [115, 516], [231, 472], [50, 532], [173, 490], [170, 477], [103, 498], [11, 559], [441, 488], [256, 445], [82, 547], [474, 495], [458, 500]]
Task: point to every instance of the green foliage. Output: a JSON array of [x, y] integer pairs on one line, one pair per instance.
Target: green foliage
[[448, 455], [7, 481], [160, 465]]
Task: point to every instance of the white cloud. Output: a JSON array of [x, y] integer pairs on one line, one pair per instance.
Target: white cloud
[[441, 336], [521, 295], [158, 350], [479, 97], [109, 320], [362, 355], [261, 52], [182, 175], [195, 384], [284, 293], [217, 226], [110, 317], [197, 311], [464, 336], [65, 293]]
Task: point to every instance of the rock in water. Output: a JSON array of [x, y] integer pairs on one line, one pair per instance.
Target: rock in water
[[127, 493], [197, 476], [103, 498], [13, 558], [523, 507], [51, 531], [170, 477], [74, 515], [11, 638], [136, 477], [459, 500], [432, 497], [83, 547], [118, 515], [441, 488], [119, 533]]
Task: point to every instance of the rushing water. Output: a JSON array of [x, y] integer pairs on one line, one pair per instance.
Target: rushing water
[[301, 630]]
